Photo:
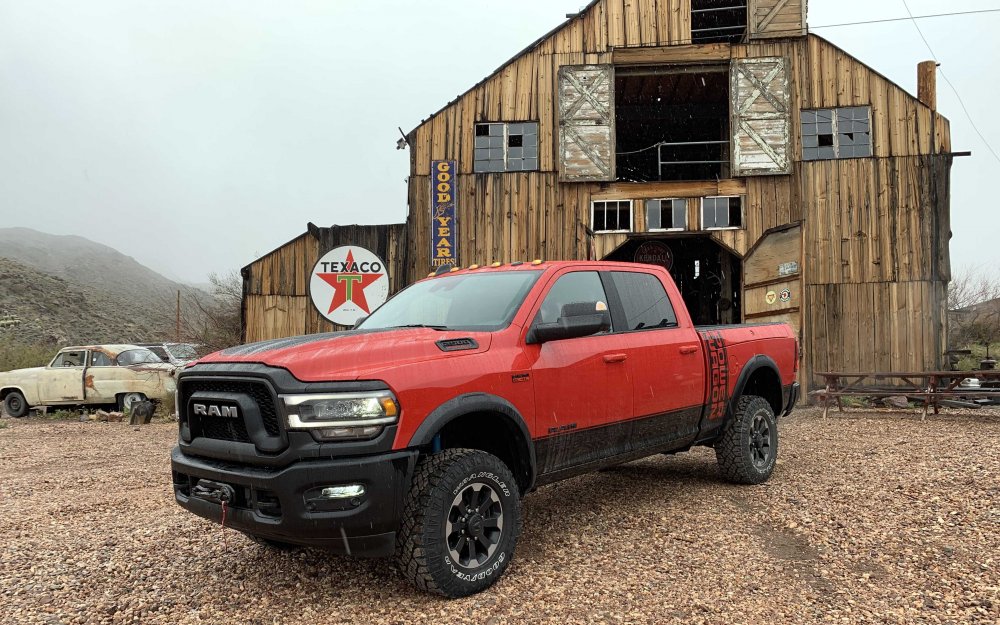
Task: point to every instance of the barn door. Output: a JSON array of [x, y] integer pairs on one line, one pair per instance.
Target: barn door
[[587, 123], [772, 278], [761, 114]]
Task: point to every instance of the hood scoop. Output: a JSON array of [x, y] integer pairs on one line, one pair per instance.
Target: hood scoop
[[457, 345]]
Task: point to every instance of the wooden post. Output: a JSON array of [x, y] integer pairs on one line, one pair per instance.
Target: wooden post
[[927, 83], [178, 327]]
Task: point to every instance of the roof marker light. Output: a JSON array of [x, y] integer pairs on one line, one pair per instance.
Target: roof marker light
[[496, 264], [473, 266], [537, 261]]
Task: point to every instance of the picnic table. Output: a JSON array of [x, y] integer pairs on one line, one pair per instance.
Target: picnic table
[[930, 387]]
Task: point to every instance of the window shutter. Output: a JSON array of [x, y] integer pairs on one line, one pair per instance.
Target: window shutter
[[586, 123], [776, 18], [761, 117]]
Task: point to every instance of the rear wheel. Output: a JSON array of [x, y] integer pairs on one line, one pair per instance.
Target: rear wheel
[[460, 524], [128, 400], [748, 448], [15, 405]]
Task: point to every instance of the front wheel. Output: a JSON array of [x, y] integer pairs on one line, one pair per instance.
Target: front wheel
[[15, 405], [748, 448], [460, 524]]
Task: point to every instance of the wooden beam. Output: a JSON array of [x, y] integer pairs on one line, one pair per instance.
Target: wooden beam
[[653, 190], [672, 54], [927, 84]]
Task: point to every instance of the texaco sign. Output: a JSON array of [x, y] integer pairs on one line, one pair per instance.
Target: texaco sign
[[348, 283]]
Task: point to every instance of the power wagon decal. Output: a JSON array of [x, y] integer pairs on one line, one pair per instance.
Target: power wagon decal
[[718, 374]]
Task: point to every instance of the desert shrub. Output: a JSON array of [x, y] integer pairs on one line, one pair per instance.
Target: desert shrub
[[15, 355]]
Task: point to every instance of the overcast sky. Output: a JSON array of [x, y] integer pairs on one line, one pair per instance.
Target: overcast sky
[[198, 135]]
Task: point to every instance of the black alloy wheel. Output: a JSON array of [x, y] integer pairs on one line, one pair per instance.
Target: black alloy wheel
[[474, 526]]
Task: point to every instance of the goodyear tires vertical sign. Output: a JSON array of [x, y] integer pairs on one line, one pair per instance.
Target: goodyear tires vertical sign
[[444, 239]]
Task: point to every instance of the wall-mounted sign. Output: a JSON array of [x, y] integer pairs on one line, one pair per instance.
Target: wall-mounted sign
[[348, 283], [787, 269], [785, 295], [444, 234], [770, 297], [655, 253]]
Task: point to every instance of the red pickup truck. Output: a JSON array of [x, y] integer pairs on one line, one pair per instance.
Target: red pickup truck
[[418, 432]]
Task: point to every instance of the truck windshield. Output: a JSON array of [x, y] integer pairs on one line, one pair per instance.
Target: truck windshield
[[473, 301]]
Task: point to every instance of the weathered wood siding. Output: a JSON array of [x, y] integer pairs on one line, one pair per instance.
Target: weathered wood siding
[[276, 301]]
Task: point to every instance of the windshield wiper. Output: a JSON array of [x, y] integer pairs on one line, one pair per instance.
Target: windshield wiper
[[422, 325]]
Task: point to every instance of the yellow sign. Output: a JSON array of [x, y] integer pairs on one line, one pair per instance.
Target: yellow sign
[[771, 297]]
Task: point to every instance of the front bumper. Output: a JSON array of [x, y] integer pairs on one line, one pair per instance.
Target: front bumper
[[284, 505]]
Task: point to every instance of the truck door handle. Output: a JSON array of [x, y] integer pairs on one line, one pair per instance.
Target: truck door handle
[[687, 350], [612, 358]]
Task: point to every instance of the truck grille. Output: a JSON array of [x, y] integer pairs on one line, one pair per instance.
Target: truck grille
[[227, 429]]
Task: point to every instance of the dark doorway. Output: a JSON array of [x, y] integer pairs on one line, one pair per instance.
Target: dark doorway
[[708, 275], [672, 123], [718, 21]]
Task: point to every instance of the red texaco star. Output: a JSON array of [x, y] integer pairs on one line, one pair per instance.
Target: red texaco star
[[349, 287]]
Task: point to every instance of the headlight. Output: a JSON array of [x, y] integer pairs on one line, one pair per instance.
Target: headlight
[[341, 415]]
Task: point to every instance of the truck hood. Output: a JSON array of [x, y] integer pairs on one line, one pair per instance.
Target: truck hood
[[355, 354]]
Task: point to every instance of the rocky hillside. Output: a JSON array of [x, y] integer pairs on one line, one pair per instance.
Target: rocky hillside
[[67, 289]]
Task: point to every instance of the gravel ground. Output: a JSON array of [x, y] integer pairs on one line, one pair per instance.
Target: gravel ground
[[869, 518]]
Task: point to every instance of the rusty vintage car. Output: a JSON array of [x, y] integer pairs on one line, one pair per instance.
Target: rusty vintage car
[[119, 375]]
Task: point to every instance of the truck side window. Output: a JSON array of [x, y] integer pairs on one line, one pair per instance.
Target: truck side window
[[644, 299], [579, 286]]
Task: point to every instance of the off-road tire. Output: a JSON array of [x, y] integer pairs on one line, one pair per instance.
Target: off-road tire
[[739, 451], [440, 483], [15, 404], [276, 545]]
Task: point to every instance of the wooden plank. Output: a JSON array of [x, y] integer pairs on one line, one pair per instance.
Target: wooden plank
[[671, 54], [652, 190]]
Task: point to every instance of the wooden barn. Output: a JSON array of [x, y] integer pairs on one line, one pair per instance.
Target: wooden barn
[[276, 301], [776, 176]]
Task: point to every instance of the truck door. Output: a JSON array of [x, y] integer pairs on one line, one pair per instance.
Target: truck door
[[664, 358], [581, 384], [62, 380]]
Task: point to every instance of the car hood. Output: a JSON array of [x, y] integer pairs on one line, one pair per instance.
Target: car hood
[[21, 372], [355, 354]]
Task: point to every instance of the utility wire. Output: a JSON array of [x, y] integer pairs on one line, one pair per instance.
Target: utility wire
[[904, 19], [957, 95]]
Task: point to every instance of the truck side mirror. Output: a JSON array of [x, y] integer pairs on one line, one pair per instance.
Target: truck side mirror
[[575, 320]]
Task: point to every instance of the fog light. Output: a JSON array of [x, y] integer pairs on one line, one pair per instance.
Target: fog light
[[342, 492], [368, 431]]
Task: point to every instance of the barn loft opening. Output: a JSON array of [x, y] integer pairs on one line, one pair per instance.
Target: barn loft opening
[[718, 21], [672, 123]]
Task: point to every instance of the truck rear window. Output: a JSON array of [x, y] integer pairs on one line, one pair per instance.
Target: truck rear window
[[483, 302]]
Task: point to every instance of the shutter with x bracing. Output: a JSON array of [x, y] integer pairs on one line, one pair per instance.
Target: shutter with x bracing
[[776, 18], [761, 114], [586, 123]]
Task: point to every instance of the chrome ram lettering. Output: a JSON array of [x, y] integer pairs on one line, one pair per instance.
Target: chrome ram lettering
[[211, 410]]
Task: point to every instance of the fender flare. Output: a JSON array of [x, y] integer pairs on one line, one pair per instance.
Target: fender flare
[[758, 362], [469, 403]]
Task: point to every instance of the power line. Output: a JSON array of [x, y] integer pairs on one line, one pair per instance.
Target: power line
[[905, 19], [954, 90]]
